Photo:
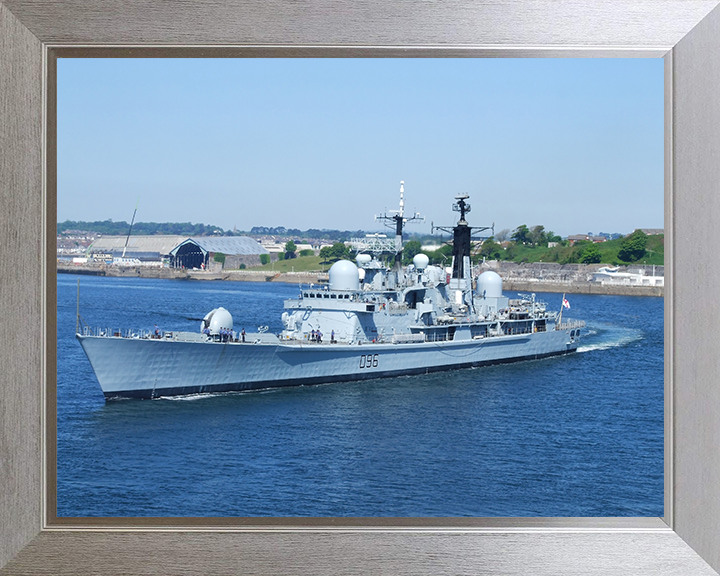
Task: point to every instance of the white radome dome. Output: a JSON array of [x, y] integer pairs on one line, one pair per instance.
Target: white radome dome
[[363, 259], [217, 319], [489, 285], [344, 275], [421, 261]]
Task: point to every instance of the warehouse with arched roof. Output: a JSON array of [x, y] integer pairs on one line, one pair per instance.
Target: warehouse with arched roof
[[179, 251], [200, 252]]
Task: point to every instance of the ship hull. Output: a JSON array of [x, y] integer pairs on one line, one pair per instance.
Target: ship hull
[[147, 368]]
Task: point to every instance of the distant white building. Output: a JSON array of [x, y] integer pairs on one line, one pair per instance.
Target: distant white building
[[574, 238], [274, 248], [139, 258], [612, 276]]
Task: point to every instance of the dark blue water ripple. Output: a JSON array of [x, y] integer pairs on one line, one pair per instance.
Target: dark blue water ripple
[[575, 436]]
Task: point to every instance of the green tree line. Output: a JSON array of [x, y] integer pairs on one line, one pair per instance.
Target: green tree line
[[531, 245], [110, 228]]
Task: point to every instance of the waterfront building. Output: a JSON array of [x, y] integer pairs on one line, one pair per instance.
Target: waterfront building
[[145, 249], [612, 276]]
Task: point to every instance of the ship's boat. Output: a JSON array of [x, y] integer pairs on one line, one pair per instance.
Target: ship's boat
[[370, 321]]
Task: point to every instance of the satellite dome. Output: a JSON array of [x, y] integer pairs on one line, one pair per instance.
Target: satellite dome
[[489, 285], [363, 259], [421, 261], [216, 320], [344, 276]]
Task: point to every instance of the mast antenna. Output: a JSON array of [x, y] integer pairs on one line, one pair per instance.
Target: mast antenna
[[131, 225], [400, 220]]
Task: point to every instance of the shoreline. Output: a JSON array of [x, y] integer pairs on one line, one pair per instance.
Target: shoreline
[[175, 274], [511, 284], [578, 287]]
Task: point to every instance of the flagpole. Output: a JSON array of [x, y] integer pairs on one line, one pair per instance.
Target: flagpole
[[77, 316], [562, 305]]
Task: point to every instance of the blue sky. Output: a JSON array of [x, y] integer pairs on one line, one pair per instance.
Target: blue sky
[[575, 145]]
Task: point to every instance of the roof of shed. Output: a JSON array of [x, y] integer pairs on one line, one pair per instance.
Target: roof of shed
[[166, 244], [156, 243], [238, 245]]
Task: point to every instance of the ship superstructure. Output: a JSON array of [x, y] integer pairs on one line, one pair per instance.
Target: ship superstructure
[[370, 321]]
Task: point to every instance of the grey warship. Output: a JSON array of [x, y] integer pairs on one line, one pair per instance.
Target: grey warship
[[370, 321]]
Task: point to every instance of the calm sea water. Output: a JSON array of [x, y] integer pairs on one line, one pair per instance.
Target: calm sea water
[[580, 435]]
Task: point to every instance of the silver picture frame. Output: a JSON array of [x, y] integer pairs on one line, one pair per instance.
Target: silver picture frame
[[686, 33]]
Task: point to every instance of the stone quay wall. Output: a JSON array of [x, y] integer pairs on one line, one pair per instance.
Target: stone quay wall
[[569, 278], [531, 277]]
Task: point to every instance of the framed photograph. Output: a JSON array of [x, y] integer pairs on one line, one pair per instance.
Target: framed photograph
[[525, 138], [684, 540]]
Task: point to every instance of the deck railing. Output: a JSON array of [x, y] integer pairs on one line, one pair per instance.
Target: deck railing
[[571, 325]]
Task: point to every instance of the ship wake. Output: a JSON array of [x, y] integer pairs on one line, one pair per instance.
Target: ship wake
[[611, 337], [189, 397]]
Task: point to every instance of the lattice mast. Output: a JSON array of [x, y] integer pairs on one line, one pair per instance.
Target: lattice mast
[[399, 220]]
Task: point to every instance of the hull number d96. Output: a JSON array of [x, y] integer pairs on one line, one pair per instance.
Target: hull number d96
[[369, 361]]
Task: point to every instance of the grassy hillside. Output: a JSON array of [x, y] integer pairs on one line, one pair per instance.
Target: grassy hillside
[[299, 264], [655, 252]]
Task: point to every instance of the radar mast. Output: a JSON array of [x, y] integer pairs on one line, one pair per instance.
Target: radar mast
[[400, 220], [462, 237]]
